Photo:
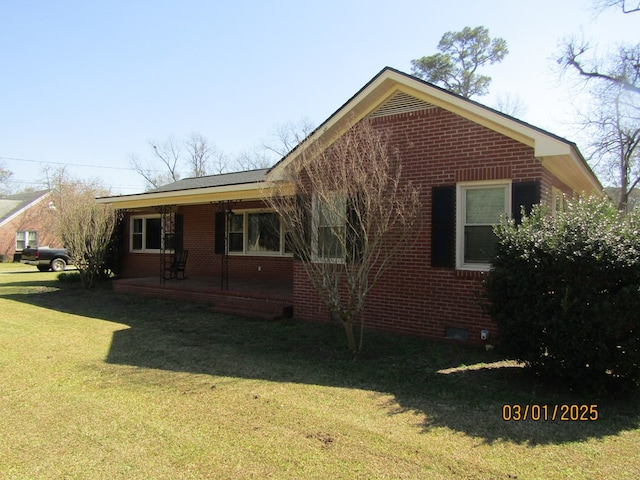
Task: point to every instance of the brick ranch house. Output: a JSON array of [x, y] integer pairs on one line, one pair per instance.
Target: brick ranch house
[[473, 164], [25, 220]]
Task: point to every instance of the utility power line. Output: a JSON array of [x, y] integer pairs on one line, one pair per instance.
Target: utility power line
[[65, 163]]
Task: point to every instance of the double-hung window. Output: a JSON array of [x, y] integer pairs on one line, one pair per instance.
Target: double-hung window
[[263, 232], [26, 238], [481, 205], [329, 227], [146, 234], [257, 233], [236, 233]]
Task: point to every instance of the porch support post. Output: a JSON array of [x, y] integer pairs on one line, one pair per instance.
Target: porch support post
[[167, 223], [225, 208]]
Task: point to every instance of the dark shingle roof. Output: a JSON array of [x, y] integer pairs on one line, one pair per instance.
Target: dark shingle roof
[[12, 204], [236, 178]]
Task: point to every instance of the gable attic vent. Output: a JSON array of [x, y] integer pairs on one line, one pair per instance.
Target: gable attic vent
[[400, 103]]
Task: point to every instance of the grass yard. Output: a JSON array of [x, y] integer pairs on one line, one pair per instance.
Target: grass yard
[[104, 386]]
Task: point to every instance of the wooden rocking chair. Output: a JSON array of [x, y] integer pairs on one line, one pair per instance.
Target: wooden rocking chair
[[176, 268]]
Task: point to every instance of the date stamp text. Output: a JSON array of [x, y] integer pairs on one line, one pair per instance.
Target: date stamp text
[[541, 413]]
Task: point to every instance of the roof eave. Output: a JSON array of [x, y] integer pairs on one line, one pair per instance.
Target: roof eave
[[247, 191], [24, 208], [389, 81], [572, 170]]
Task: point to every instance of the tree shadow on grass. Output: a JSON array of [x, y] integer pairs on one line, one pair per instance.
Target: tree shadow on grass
[[454, 386]]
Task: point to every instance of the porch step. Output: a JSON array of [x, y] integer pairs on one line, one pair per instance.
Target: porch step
[[253, 308]]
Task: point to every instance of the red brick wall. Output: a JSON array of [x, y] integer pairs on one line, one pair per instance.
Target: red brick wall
[[437, 148], [199, 239], [39, 219]]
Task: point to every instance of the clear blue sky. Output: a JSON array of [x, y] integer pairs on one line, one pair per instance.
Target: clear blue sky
[[90, 82]]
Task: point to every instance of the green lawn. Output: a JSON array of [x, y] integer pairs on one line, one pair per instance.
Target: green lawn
[[97, 385]]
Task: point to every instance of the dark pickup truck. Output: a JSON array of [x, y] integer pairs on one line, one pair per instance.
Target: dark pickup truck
[[45, 258]]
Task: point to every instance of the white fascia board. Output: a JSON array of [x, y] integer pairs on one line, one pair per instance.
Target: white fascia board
[[181, 197]]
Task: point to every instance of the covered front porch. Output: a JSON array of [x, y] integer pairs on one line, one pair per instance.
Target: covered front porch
[[256, 298]]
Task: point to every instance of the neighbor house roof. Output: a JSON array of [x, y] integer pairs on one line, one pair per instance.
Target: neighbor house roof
[[13, 205], [245, 185], [405, 92]]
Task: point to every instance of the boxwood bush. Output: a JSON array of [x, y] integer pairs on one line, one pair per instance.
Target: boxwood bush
[[564, 290]]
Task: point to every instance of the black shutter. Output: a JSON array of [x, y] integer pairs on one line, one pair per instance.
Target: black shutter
[[303, 207], [443, 226], [524, 194], [220, 226], [178, 241], [355, 232]]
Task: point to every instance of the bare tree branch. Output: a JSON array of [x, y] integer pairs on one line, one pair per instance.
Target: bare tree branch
[[199, 151], [85, 227], [169, 153], [511, 105], [287, 136], [625, 5], [152, 176], [5, 177], [254, 159], [347, 211], [623, 69]]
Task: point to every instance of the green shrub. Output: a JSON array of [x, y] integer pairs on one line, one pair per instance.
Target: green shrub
[[69, 277], [564, 291]]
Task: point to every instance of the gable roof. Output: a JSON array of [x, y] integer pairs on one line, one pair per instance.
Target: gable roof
[[393, 90], [245, 185], [390, 91], [13, 205]]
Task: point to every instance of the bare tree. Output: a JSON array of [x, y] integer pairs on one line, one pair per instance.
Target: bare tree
[[613, 118], [198, 153], [203, 158], [169, 153], [348, 212], [282, 140], [152, 176], [195, 155], [85, 227], [621, 68], [254, 159], [5, 177], [287, 136], [613, 125], [625, 5], [511, 105]]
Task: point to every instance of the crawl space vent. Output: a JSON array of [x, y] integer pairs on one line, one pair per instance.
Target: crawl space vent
[[400, 103], [456, 333]]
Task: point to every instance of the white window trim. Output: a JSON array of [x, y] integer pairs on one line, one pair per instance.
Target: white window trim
[[245, 236], [461, 188], [144, 234]]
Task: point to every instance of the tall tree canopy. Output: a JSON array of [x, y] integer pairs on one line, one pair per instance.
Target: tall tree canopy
[[462, 53]]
